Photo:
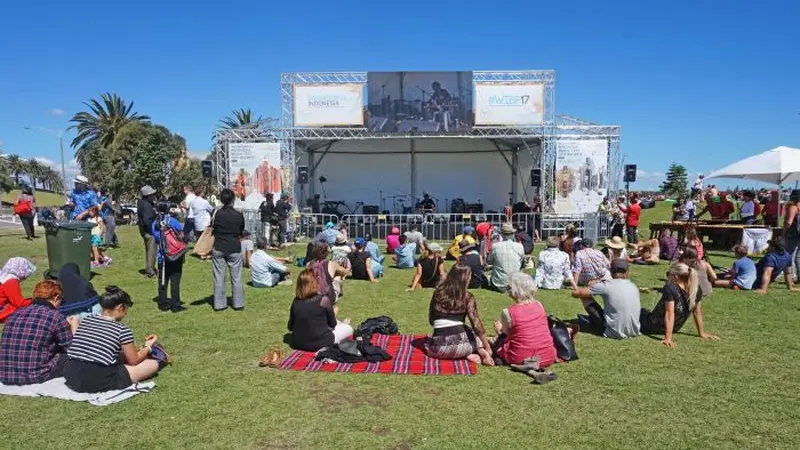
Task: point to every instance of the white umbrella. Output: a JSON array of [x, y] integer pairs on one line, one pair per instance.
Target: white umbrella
[[778, 166]]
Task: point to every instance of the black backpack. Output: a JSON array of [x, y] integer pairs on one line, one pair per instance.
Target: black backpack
[[380, 325]]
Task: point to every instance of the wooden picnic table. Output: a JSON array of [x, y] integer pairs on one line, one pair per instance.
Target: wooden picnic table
[[723, 235]]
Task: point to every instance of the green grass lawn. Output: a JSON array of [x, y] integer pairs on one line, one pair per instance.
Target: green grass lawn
[[42, 198], [739, 392]]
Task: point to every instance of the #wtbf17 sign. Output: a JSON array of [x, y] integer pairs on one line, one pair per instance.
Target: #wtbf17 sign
[[255, 169], [509, 103], [328, 104], [581, 175]]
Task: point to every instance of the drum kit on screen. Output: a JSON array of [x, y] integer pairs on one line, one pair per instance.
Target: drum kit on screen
[[402, 116]]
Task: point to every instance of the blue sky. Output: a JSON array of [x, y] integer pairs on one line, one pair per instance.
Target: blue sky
[[702, 82]]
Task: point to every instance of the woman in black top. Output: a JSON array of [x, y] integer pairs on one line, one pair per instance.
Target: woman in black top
[[361, 262], [228, 225], [312, 317], [430, 269], [681, 298], [79, 297], [472, 259]]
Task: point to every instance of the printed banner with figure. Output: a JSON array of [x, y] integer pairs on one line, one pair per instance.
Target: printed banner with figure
[[509, 103], [318, 105], [581, 175], [255, 169]]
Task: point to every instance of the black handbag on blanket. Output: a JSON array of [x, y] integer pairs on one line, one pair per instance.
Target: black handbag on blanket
[[562, 339], [380, 325]]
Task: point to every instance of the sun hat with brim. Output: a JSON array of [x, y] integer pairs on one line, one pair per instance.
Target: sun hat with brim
[[147, 190], [507, 228], [80, 179], [615, 243], [340, 239], [465, 246], [434, 248]]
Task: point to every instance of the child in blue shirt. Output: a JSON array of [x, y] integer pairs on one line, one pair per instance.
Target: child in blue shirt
[[169, 272], [743, 273]]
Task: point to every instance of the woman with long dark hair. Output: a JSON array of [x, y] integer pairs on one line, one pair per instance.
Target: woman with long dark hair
[[450, 306]]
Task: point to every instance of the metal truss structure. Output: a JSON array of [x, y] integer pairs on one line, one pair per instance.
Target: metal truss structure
[[265, 131], [541, 141]]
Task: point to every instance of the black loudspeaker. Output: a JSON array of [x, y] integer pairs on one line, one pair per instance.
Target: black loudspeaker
[[630, 173], [207, 168], [370, 210], [536, 177], [302, 174]]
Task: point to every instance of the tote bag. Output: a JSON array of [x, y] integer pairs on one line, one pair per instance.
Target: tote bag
[[205, 243]]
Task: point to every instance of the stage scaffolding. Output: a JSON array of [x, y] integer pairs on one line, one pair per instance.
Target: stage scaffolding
[[540, 141]]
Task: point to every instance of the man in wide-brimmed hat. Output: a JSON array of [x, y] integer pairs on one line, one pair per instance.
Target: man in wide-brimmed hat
[[81, 199]]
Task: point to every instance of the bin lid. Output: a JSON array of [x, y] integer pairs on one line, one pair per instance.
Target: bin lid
[[74, 225]]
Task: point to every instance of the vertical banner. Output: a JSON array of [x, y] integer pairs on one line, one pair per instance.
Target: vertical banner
[[255, 169], [317, 105], [509, 103], [581, 175]]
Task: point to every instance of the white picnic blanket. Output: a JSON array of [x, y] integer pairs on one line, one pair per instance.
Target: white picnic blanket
[[756, 240], [57, 388]]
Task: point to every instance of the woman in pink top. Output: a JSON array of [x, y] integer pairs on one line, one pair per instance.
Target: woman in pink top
[[393, 241], [522, 330]]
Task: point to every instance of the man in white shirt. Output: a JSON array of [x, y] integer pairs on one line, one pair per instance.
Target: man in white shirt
[[201, 210], [697, 190], [189, 223]]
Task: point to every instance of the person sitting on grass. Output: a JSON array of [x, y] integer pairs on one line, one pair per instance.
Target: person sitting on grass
[[506, 259], [404, 254], [523, 330], [393, 241], [98, 231], [312, 317], [268, 271], [777, 261], [450, 306], [553, 267], [472, 259], [680, 298], [15, 271], [430, 269], [102, 356], [330, 275], [340, 251], [375, 253], [647, 253], [454, 252], [705, 273], [35, 339], [667, 245], [79, 298], [742, 274], [620, 318], [169, 272], [247, 247], [361, 263], [589, 264]]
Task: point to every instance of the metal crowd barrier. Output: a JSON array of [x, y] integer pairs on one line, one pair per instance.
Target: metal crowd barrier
[[300, 225], [435, 227]]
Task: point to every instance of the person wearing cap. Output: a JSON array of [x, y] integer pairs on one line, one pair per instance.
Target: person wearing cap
[[81, 199], [553, 267], [247, 247], [506, 258], [393, 241], [619, 318], [430, 269], [589, 264], [454, 252], [791, 228], [146, 214], [361, 263], [472, 259], [266, 270], [777, 261]]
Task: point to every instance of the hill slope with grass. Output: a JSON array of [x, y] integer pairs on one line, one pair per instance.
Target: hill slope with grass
[[42, 198]]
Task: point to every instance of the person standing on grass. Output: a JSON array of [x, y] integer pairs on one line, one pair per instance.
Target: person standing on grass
[[25, 208], [169, 272], [620, 318], [107, 213], [791, 230], [98, 232], [81, 199], [102, 356], [632, 214], [146, 214], [267, 211], [282, 209], [188, 224], [34, 343], [680, 298], [227, 254]]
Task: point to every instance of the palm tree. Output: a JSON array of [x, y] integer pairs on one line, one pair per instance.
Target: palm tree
[[52, 179], [240, 118], [16, 166], [35, 171], [102, 124]]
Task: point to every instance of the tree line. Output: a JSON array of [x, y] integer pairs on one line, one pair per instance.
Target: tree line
[[16, 171]]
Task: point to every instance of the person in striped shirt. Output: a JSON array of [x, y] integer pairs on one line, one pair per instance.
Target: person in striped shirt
[[103, 357]]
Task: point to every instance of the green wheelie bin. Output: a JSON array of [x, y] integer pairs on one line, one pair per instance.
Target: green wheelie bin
[[69, 241]]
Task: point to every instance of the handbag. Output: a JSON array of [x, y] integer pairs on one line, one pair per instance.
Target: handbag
[[562, 339], [205, 243]]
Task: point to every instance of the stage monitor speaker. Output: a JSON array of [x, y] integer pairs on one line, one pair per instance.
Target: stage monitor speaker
[[630, 173], [370, 210], [207, 168], [302, 174], [536, 177]]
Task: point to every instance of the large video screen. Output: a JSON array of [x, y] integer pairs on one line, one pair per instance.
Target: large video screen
[[427, 102]]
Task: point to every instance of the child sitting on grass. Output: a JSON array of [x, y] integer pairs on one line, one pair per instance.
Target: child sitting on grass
[[741, 275], [98, 231]]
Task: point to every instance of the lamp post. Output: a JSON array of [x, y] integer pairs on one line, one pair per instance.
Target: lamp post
[[60, 135]]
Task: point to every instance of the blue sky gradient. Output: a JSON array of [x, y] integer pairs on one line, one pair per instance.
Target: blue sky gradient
[[703, 82]]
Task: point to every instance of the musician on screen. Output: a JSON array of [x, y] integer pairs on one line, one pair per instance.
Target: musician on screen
[[439, 104], [427, 205]]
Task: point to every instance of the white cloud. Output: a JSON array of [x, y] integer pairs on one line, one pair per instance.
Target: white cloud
[[72, 168], [57, 112]]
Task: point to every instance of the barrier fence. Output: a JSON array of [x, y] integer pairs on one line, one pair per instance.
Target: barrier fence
[[436, 227]]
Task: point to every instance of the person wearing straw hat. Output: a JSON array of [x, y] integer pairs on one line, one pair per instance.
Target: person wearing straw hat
[[615, 249], [506, 259], [81, 199]]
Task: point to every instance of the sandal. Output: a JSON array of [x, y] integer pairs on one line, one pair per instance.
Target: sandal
[[272, 358]]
